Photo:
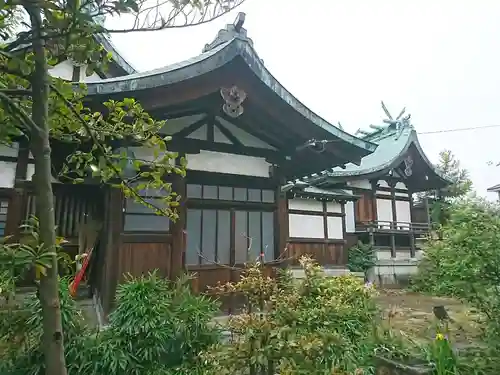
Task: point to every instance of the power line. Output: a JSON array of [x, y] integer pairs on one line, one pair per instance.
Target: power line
[[460, 129]]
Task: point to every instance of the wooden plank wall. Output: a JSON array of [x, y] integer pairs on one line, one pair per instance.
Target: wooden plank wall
[[325, 253], [141, 258], [364, 207]]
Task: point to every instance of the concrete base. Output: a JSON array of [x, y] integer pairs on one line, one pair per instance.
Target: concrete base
[[392, 272]]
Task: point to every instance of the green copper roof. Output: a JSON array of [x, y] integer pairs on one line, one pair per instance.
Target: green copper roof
[[391, 145]]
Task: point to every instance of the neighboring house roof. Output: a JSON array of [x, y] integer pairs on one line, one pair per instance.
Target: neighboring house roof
[[123, 66], [494, 189], [230, 44]]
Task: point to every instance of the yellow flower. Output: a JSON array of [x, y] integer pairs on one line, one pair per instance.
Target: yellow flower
[[439, 336]]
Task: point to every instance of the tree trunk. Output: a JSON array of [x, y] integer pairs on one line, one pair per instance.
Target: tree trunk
[[52, 341]]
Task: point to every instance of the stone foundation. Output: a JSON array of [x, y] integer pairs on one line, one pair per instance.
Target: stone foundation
[[394, 271]]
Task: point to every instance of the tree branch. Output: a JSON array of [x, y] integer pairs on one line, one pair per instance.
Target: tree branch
[[16, 92], [103, 151], [19, 112]]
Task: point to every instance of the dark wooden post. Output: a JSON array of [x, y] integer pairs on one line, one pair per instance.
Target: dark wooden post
[[112, 272], [394, 224], [411, 229], [177, 229], [281, 227]]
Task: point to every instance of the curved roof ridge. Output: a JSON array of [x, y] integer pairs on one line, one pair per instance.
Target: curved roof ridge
[[116, 56], [209, 61]]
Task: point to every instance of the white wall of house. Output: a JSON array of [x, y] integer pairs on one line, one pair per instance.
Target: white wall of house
[[334, 227], [65, 68], [8, 168], [221, 162], [360, 184], [384, 211], [306, 226], [313, 226], [403, 214], [305, 205]]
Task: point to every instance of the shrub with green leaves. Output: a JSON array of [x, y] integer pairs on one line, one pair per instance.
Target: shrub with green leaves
[[466, 262], [22, 329], [157, 326], [309, 326], [361, 257]]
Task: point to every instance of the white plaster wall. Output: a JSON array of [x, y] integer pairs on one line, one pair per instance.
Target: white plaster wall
[[7, 174], [11, 150], [383, 183], [221, 162], [360, 184], [384, 211], [400, 185], [175, 125], [62, 70], [398, 194], [306, 226], [382, 192], [403, 214], [334, 207], [305, 204], [200, 133], [30, 171], [334, 226], [219, 137], [350, 219], [91, 78], [245, 138]]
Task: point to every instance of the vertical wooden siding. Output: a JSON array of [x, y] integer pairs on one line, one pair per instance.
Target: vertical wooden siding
[[325, 253], [364, 208], [141, 258]]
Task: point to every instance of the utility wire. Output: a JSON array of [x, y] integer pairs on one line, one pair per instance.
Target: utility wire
[[460, 129]]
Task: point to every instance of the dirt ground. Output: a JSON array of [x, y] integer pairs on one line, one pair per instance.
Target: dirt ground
[[412, 314]]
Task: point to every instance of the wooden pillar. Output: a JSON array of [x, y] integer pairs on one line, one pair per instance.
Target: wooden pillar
[[345, 255], [281, 222], [411, 229], [17, 201], [177, 229], [112, 271], [374, 224], [394, 224]]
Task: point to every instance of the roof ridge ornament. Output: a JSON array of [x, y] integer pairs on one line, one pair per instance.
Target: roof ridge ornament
[[231, 31], [399, 122]]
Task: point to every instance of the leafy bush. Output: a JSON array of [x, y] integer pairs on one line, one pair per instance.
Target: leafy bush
[[361, 257], [157, 325], [158, 328], [22, 329], [466, 262], [311, 326]]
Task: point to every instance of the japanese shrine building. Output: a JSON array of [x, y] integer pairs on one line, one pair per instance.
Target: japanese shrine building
[[375, 200], [248, 143]]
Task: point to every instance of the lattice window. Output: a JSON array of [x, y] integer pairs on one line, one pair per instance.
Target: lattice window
[[211, 231], [4, 205], [228, 193], [71, 210], [139, 218]]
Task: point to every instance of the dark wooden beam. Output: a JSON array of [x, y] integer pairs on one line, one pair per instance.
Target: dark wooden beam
[[228, 134], [177, 230], [191, 128]]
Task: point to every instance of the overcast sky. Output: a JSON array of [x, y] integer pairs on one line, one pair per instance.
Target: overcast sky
[[440, 59]]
